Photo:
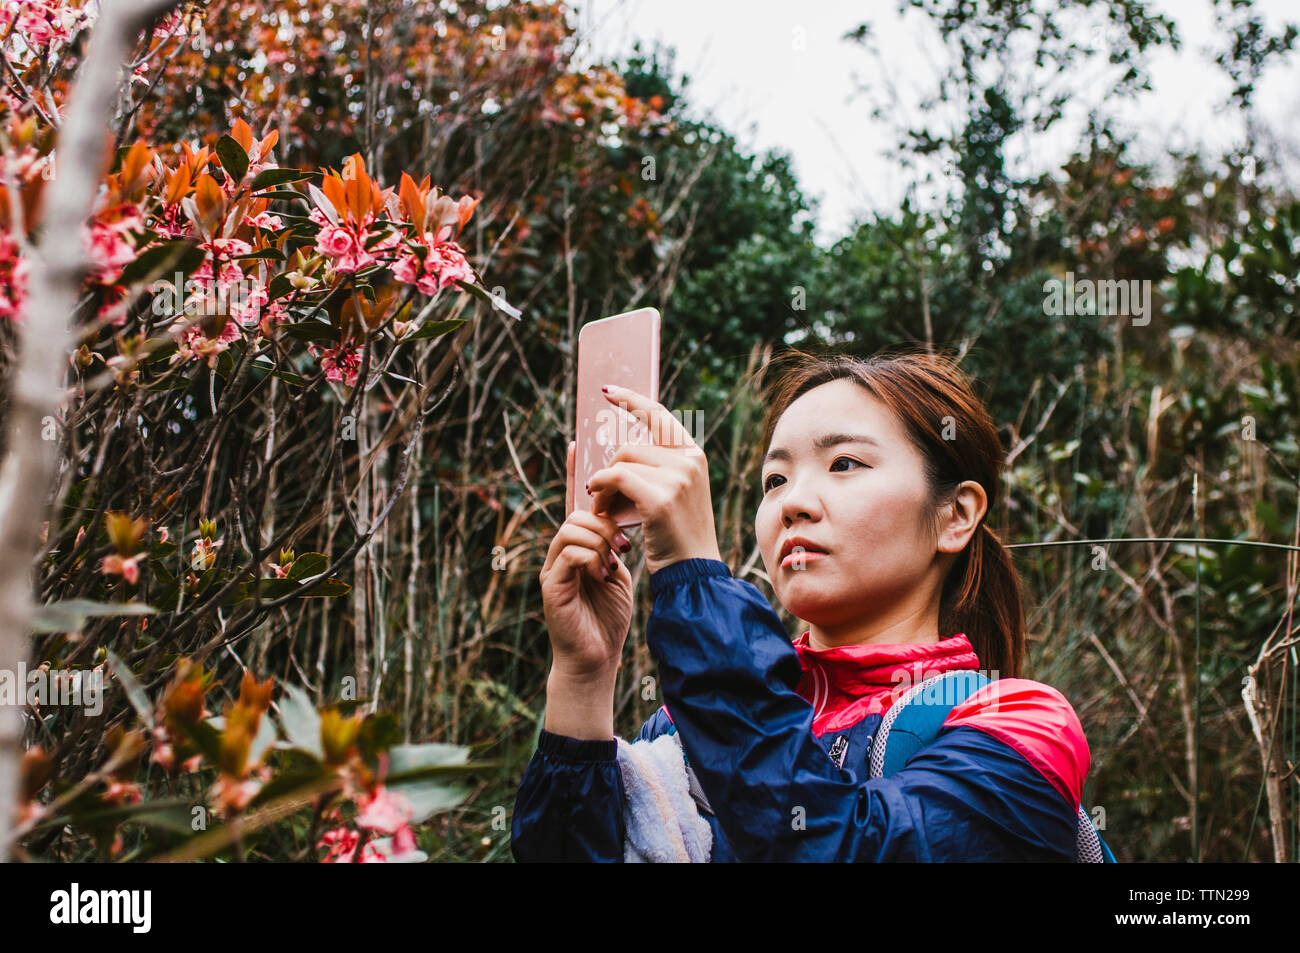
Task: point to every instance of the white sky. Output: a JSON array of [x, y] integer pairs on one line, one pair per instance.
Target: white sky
[[778, 76]]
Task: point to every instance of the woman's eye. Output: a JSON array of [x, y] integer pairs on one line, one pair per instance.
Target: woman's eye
[[767, 484]]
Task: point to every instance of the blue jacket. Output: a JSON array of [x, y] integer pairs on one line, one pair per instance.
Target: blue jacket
[[761, 719]]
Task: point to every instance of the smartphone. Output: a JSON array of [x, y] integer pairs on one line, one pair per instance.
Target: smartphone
[[622, 350]]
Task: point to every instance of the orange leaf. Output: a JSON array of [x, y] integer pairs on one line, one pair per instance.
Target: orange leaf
[[208, 198], [268, 143], [464, 209], [334, 191], [412, 202], [133, 166], [178, 185], [242, 134]]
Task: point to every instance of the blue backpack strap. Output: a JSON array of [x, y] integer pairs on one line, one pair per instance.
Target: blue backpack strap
[[913, 722]]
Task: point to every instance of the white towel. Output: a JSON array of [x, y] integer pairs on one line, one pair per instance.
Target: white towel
[[662, 821]]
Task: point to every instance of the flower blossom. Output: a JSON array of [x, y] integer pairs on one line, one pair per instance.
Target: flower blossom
[[444, 262], [340, 363]]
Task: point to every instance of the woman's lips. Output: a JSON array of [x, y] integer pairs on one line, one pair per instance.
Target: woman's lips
[[799, 560]]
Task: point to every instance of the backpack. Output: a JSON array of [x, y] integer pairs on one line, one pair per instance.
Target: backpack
[[908, 726]]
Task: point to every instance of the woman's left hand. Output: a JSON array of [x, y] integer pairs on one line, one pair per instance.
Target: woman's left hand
[[668, 480]]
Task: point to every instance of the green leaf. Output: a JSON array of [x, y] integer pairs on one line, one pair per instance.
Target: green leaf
[[275, 588], [279, 287], [270, 252], [429, 797], [379, 733], [433, 329], [301, 722], [287, 782], [233, 158], [135, 693], [497, 304], [265, 364], [206, 737], [269, 177], [288, 195], [307, 565], [152, 263], [403, 758], [169, 814], [70, 615]]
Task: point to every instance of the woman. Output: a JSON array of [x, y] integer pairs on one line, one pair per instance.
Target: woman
[[876, 481]]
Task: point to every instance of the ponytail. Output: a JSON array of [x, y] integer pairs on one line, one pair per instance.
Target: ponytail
[[981, 597]]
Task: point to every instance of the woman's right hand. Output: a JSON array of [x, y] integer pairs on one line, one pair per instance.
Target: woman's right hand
[[587, 613]]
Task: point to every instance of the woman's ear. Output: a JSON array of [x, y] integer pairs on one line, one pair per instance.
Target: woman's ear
[[966, 510]]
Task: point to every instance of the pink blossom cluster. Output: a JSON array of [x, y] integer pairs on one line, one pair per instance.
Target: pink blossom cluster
[[341, 363], [39, 22], [345, 244], [444, 262], [383, 812], [13, 278], [107, 244]]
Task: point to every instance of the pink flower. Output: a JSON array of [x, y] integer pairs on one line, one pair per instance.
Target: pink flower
[[344, 247], [13, 278], [108, 247], [342, 843], [193, 343], [386, 811], [444, 263], [39, 22], [232, 794], [205, 553], [121, 792], [340, 363], [266, 220], [127, 568], [336, 241]]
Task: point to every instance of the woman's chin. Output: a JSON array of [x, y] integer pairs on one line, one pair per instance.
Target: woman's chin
[[812, 601]]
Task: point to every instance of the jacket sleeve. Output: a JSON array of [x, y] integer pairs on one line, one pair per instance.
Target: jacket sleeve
[[729, 671], [570, 801]]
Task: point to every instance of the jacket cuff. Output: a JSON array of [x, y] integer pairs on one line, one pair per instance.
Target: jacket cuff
[[576, 749], [686, 570]]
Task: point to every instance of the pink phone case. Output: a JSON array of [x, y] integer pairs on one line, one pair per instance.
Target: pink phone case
[[621, 350]]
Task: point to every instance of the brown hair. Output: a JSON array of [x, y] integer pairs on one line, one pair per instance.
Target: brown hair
[[934, 399]]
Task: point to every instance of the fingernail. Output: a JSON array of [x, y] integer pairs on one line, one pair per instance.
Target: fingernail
[[605, 570], [622, 542]]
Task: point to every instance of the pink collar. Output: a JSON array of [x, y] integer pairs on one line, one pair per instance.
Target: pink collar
[[844, 685]]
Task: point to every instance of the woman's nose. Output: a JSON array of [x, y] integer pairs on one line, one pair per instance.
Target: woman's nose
[[798, 502]]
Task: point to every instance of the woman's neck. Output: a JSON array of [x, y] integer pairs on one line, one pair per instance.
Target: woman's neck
[[920, 625]]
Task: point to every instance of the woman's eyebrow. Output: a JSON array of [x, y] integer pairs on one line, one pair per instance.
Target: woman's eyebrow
[[823, 442]]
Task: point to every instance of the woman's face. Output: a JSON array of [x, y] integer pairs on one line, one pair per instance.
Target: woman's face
[[865, 503]]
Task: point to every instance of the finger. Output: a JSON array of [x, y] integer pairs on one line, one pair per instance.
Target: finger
[[637, 481], [648, 454], [665, 429], [573, 560], [569, 456], [585, 530]]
